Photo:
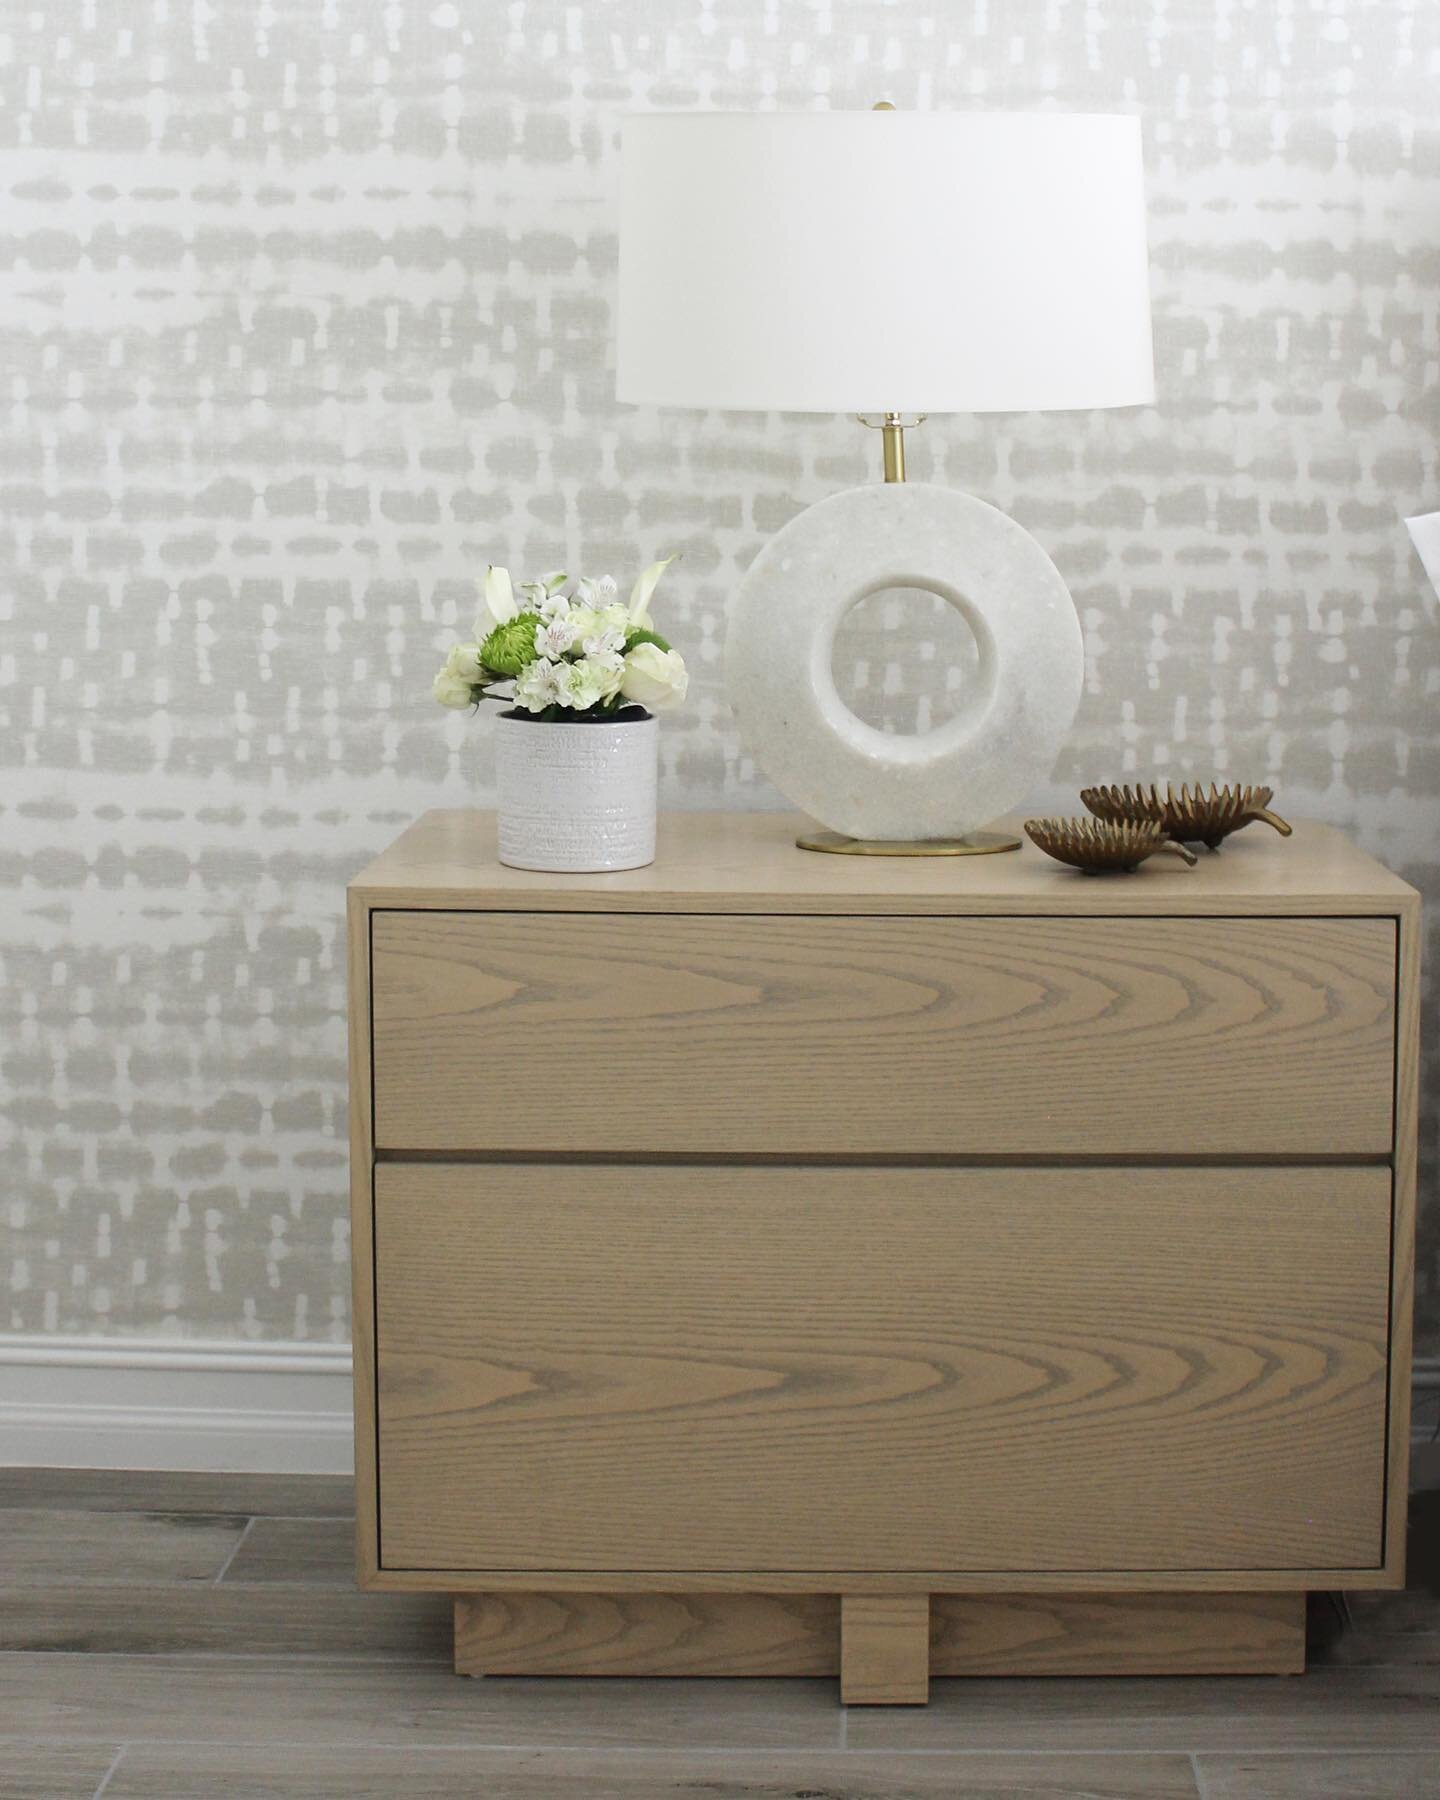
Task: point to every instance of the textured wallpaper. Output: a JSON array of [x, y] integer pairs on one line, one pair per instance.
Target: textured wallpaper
[[306, 315]]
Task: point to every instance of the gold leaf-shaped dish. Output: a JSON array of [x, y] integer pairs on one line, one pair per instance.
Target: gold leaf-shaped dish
[[1192, 815], [1097, 848]]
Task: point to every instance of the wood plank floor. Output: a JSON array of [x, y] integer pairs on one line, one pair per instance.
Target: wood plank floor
[[200, 1636]]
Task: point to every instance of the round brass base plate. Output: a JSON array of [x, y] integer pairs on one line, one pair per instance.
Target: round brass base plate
[[979, 843]]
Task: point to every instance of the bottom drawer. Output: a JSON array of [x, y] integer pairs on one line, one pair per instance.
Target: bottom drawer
[[749, 1369]]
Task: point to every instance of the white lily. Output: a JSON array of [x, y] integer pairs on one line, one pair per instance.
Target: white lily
[[499, 597], [644, 588]]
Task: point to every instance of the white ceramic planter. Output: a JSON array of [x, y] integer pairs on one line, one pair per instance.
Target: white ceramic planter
[[576, 798]]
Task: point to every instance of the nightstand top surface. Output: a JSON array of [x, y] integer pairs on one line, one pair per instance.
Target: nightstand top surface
[[747, 862]]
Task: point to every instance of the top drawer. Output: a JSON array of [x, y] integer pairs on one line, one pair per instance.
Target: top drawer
[[809, 1036]]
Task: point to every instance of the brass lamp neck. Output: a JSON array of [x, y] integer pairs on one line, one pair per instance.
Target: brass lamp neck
[[892, 438], [892, 427]]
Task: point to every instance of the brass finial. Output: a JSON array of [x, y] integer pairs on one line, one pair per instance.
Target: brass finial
[[883, 106]]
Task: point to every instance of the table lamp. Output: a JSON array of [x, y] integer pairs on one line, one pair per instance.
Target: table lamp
[[895, 265]]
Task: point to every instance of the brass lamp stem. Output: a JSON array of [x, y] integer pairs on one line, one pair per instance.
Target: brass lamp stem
[[893, 430], [892, 436], [892, 427]]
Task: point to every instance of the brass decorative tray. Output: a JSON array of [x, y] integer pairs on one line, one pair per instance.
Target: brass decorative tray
[[1097, 847], [1192, 815]]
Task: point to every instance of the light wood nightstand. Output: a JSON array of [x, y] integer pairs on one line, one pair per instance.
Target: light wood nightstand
[[769, 1263]]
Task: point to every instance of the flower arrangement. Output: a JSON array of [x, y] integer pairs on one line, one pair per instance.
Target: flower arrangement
[[577, 655]]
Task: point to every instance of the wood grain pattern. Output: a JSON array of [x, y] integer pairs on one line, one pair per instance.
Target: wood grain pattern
[[53, 1771], [44, 1545], [1117, 1634], [867, 1025], [647, 1634], [1354, 1709], [369, 1702], [739, 1369], [315, 1551], [747, 862], [233, 1619], [1370, 1776], [884, 1649], [1402, 1277], [799, 1634], [362, 1254], [175, 1491], [336, 1772], [946, 1037], [683, 1580], [352, 1726]]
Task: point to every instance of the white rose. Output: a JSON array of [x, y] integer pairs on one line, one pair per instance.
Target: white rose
[[613, 617], [459, 675], [585, 619], [654, 678]]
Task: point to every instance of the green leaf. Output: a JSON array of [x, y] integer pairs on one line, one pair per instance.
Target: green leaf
[[643, 635]]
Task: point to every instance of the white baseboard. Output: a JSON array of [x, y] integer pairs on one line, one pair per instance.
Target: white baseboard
[[126, 1403]]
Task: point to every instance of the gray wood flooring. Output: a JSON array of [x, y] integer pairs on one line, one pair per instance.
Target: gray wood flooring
[[200, 1636]]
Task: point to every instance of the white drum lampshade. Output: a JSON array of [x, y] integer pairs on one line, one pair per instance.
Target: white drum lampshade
[[892, 263]]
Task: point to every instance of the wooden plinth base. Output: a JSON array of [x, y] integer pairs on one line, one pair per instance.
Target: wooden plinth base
[[884, 1647]]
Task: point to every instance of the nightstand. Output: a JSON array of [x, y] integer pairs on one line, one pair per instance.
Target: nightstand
[[769, 1263]]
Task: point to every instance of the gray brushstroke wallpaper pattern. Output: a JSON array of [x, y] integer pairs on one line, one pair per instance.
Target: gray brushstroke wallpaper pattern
[[307, 316]]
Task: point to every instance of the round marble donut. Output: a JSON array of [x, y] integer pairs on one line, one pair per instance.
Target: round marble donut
[[1014, 716]]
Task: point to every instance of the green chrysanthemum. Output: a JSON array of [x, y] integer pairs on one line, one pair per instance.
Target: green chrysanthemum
[[511, 646]]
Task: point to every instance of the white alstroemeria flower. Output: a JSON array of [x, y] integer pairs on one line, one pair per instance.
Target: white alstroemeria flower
[[538, 685], [595, 590], [499, 599], [603, 644], [552, 606], [654, 678], [552, 640], [579, 685], [644, 588]]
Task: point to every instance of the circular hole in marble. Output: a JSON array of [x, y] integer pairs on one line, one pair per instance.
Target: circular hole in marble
[[905, 661]]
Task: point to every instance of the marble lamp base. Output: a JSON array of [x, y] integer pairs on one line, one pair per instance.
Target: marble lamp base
[[871, 785]]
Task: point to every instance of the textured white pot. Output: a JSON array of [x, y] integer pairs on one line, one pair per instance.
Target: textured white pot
[[576, 798]]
